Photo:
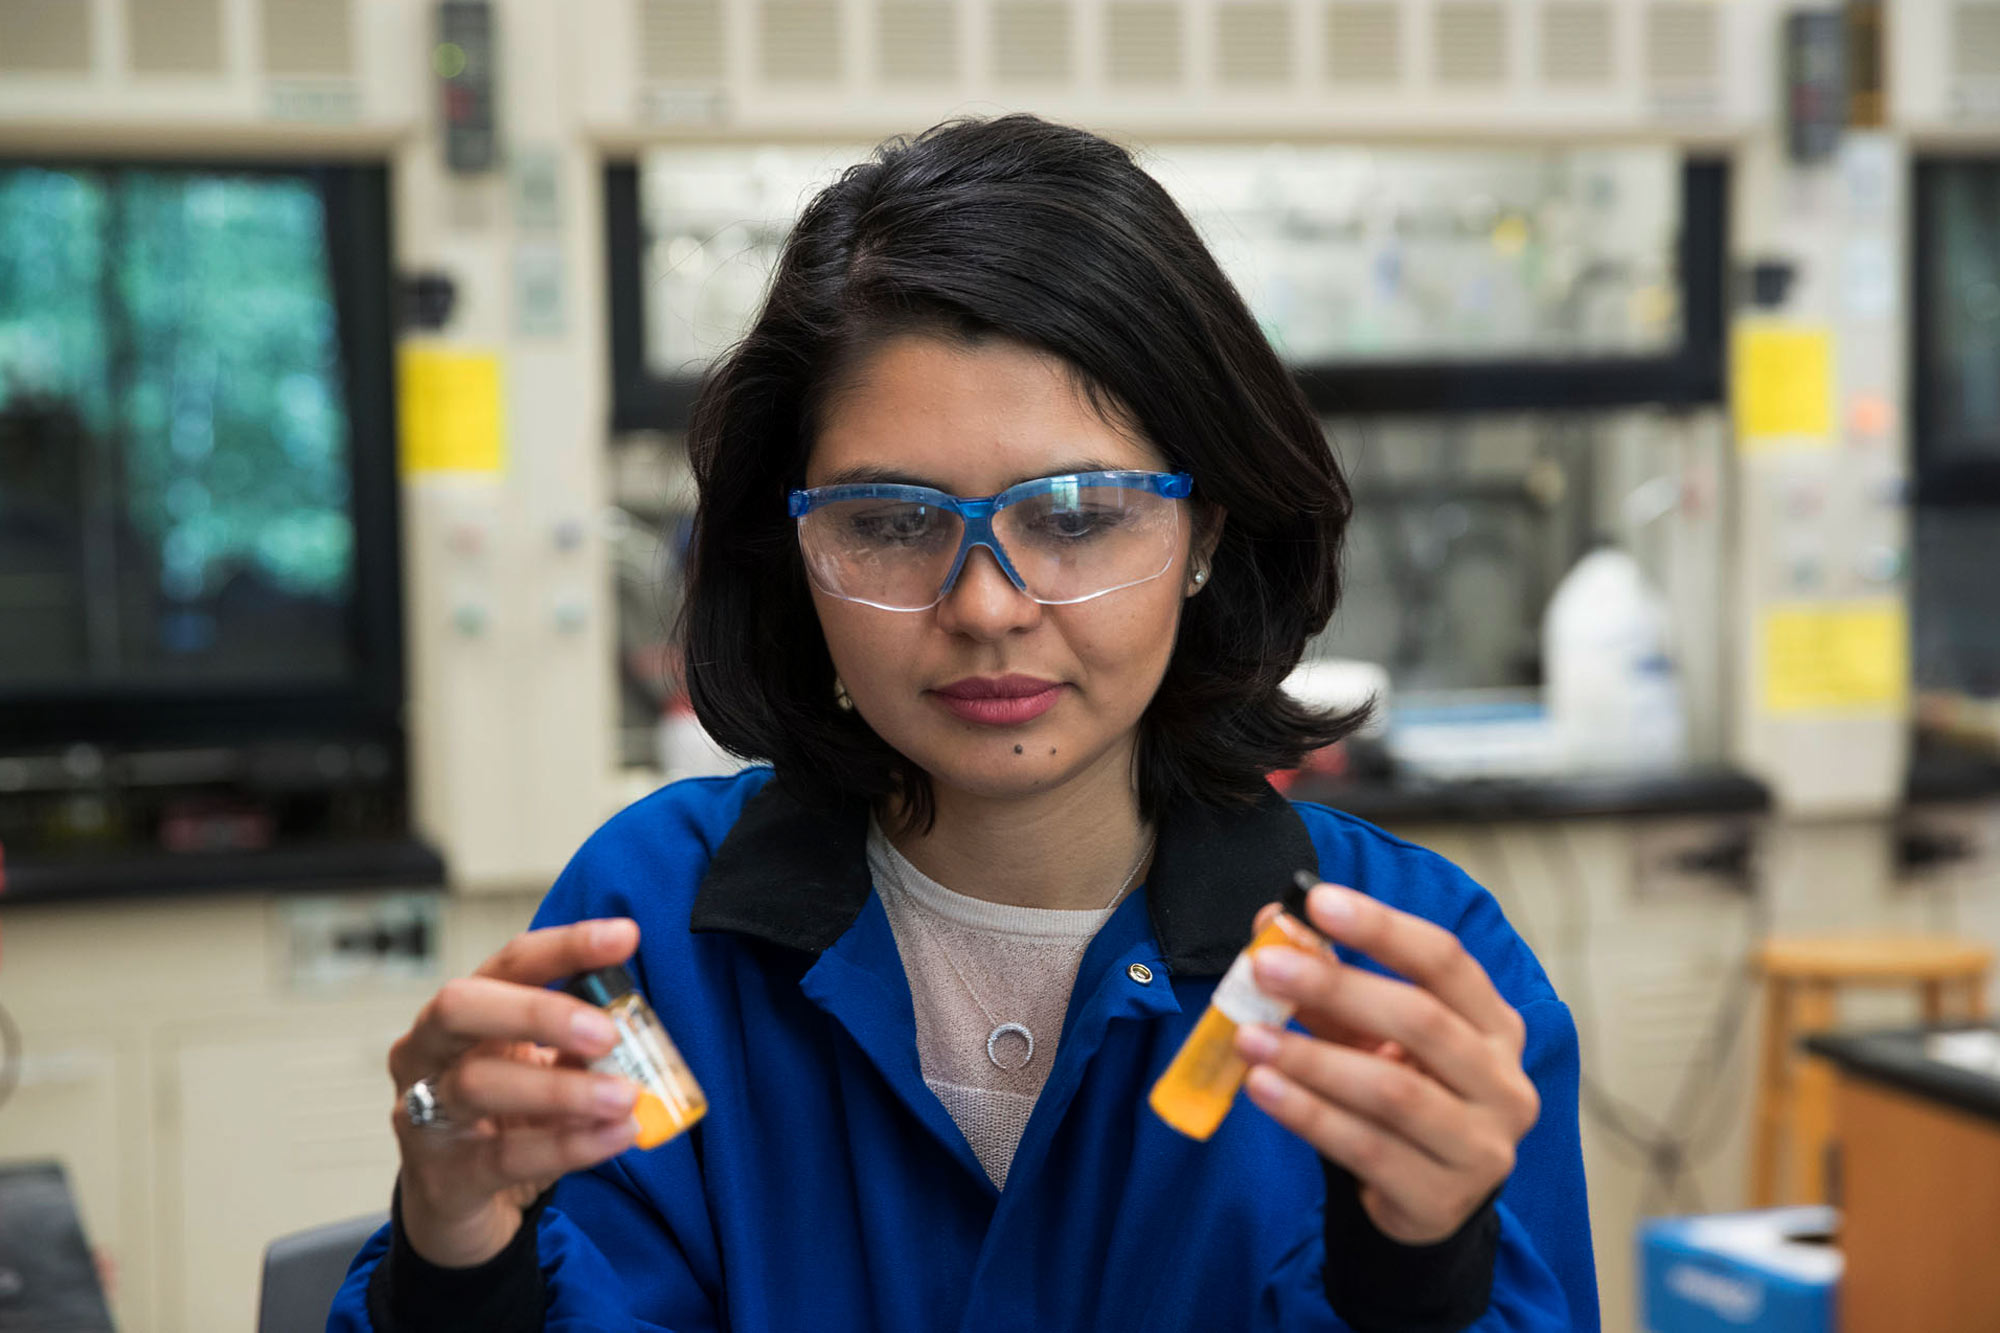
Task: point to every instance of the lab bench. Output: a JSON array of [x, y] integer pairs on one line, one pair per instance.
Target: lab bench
[[1917, 1140]]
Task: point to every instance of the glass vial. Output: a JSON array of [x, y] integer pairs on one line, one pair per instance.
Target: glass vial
[[669, 1098], [1200, 1084]]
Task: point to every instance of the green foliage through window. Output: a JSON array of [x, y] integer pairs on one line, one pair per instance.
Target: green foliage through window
[[174, 439]]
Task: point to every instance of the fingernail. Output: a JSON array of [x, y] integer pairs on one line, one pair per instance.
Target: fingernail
[[1256, 1042], [1280, 964], [592, 1028], [614, 1095], [1266, 1086], [1337, 905]]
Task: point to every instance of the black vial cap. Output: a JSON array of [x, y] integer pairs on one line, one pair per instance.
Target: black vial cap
[[601, 985], [1294, 901]]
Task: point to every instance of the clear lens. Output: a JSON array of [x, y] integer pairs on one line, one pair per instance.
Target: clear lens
[[1069, 543], [891, 553], [1074, 542]]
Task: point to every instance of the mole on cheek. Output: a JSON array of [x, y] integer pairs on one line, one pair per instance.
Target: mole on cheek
[[1017, 749], [1052, 749]]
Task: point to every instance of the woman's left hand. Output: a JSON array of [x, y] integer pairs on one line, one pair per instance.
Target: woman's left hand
[[1415, 1086]]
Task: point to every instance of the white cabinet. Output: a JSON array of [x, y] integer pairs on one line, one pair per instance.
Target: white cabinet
[[203, 1104], [263, 1134]]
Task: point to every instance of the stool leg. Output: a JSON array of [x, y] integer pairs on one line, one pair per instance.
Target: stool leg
[[1812, 1099], [1933, 998], [1771, 1092]]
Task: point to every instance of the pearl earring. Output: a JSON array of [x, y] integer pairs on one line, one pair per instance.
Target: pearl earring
[[841, 697], [1200, 577]]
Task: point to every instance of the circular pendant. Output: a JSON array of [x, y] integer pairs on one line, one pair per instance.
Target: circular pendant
[[993, 1046]]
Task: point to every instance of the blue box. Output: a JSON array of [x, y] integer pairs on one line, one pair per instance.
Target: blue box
[[1763, 1272]]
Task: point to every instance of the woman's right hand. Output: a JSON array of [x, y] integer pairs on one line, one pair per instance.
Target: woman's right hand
[[506, 1062]]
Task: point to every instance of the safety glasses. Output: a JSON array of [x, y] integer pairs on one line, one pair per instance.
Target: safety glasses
[[1059, 539]]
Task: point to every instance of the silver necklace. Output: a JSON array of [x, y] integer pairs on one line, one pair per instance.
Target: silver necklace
[[1000, 1029]]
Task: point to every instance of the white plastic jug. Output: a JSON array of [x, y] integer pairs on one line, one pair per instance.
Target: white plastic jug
[[1613, 696]]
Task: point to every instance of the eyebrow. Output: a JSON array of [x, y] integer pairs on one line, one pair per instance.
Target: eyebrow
[[865, 474]]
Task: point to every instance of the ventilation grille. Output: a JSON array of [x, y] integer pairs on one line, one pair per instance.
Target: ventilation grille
[[1142, 43], [1471, 42], [1363, 42], [682, 40], [45, 38], [1681, 42], [1253, 44], [308, 37], [1975, 40], [1576, 42], [1031, 41], [173, 36], [799, 41], [917, 43]]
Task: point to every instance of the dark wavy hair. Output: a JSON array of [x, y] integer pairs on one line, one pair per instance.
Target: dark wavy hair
[[1052, 237]]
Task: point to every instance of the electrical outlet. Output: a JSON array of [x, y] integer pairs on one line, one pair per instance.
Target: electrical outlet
[[358, 940], [1693, 855]]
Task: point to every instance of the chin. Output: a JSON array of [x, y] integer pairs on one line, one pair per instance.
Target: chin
[[988, 767]]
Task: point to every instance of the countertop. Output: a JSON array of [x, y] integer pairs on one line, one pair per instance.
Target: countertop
[[384, 863], [1897, 1059], [410, 863], [1411, 800], [1380, 797], [1941, 773]]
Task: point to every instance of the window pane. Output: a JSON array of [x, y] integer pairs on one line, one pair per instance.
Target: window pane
[[713, 221], [1960, 258], [173, 431], [1359, 254], [1344, 254]]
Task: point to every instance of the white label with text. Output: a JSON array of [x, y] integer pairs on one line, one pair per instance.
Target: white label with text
[[1237, 996]]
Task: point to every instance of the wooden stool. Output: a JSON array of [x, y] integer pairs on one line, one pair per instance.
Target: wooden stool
[[1802, 980]]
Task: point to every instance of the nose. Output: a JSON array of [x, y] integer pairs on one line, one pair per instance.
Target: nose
[[984, 603]]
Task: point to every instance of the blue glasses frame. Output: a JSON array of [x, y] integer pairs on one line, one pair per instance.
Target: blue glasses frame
[[976, 512]]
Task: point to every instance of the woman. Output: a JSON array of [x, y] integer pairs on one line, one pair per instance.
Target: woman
[[1011, 523]]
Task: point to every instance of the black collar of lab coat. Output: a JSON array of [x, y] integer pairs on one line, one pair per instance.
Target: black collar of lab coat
[[798, 877]]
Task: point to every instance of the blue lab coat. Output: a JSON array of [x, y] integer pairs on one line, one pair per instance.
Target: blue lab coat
[[827, 1189]]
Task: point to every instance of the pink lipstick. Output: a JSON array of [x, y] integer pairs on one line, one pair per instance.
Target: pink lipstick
[[999, 701]]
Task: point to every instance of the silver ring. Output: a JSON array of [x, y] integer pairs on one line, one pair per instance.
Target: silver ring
[[421, 1105]]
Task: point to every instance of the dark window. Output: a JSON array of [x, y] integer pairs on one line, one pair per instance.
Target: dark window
[[197, 504], [1955, 421], [653, 391]]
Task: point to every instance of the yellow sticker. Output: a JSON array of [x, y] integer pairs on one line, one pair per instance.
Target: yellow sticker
[[448, 407], [1838, 657], [1781, 386]]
